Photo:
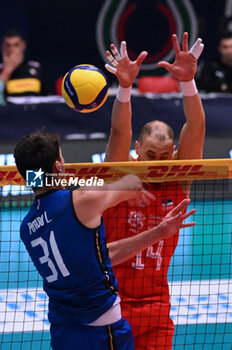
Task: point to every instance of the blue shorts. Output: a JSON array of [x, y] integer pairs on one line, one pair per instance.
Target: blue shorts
[[117, 336]]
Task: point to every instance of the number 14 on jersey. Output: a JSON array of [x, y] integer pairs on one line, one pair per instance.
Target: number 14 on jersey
[[139, 265]]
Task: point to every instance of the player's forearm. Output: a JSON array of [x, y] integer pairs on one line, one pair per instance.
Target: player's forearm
[[126, 248], [90, 203], [119, 191], [98, 199], [194, 112], [118, 146], [121, 116], [192, 135]]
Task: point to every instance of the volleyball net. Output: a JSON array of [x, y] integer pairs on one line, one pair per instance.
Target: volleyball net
[[199, 272]]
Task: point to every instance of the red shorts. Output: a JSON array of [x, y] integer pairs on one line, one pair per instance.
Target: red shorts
[[151, 325]]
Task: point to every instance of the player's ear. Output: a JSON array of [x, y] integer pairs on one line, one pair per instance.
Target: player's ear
[[57, 167], [137, 147]]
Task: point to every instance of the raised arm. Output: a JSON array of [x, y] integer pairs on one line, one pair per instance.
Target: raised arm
[[126, 71], [90, 203], [192, 135]]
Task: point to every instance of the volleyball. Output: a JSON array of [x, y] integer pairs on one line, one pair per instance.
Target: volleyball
[[85, 88]]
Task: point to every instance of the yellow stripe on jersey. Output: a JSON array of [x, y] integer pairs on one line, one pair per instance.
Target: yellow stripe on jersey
[[17, 86], [98, 247], [111, 338]]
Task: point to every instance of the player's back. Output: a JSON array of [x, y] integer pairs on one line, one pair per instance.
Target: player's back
[[71, 258]]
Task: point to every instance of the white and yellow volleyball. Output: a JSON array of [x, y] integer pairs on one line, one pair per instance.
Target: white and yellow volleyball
[[85, 88]]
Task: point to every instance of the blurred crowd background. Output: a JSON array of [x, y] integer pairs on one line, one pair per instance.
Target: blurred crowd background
[[60, 34]]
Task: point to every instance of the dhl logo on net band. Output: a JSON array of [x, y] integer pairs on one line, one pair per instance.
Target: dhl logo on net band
[[178, 170]]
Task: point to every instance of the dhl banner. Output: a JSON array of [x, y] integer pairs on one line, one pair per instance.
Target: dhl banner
[[157, 171]]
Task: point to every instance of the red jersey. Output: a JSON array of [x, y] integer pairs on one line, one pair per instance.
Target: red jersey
[[143, 284]]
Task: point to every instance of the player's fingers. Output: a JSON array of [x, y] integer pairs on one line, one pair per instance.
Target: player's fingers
[[180, 207], [189, 224], [165, 65], [123, 49], [185, 42], [179, 218], [175, 44], [197, 48], [111, 59], [141, 58], [187, 215], [115, 52], [110, 68], [107, 53]]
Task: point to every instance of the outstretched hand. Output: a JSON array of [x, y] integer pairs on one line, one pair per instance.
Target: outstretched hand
[[185, 65], [124, 69], [173, 221]]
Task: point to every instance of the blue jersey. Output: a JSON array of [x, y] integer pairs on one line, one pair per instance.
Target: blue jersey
[[72, 259]]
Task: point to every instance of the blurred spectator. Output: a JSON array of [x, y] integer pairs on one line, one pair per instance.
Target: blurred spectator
[[216, 76], [20, 77]]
